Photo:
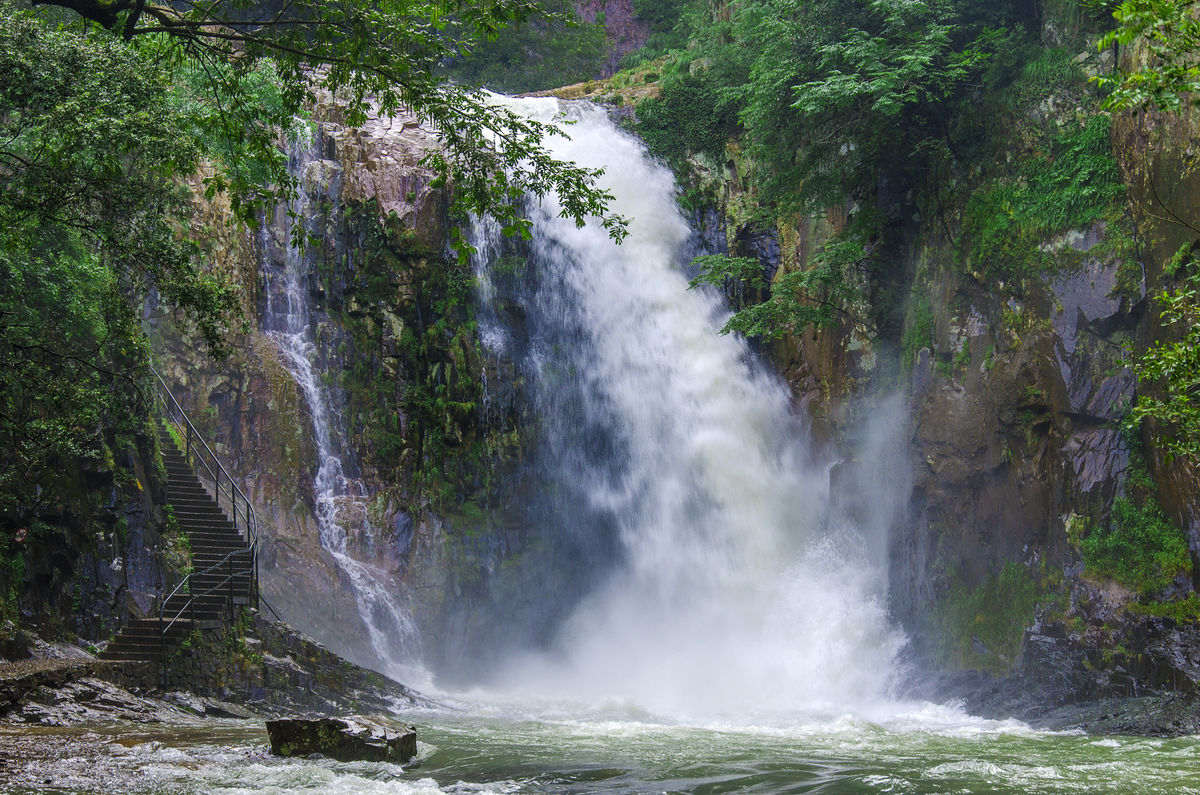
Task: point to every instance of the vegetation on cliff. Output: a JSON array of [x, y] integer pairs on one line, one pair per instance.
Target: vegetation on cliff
[[937, 176], [106, 111]]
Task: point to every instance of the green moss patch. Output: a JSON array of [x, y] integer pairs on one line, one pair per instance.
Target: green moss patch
[[981, 628]]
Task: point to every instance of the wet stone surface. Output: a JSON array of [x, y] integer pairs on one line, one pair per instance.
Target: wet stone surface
[[351, 739]]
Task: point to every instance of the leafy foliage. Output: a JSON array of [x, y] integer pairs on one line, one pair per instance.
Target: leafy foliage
[[1139, 547], [841, 93], [540, 54], [835, 103], [380, 55], [89, 219], [815, 297], [1169, 372], [982, 627], [91, 148], [1170, 30], [1074, 185], [689, 116], [918, 330]]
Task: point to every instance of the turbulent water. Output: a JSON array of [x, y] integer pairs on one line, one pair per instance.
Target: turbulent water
[[340, 499], [738, 587], [917, 753]]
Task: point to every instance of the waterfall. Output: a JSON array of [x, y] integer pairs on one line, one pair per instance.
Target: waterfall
[[340, 499], [734, 582]]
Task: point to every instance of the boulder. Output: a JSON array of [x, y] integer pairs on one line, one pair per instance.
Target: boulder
[[351, 739]]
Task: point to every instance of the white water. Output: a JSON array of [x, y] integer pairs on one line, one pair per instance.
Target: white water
[[743, 593], [341, 501]]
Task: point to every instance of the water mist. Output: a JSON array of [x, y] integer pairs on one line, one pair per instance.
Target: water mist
[[741, 584]]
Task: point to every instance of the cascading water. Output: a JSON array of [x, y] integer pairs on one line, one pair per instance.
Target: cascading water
[[340, 499], [737, 588]]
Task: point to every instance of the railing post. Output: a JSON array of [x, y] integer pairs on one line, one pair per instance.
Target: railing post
[[231, 590], [162, 649]]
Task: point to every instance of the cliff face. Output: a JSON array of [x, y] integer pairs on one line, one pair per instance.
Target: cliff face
[[421, 420], [623, 30], [1016, 383], [376, 231], [98, 556]]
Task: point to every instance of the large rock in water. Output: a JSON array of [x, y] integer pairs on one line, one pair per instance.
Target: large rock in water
[[352, 739]]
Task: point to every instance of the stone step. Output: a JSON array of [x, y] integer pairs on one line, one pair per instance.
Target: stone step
[[174, 632], [212, 550], [204, 603], [200, 518], [219, 584], [198, 509], [130, 655], [240, 561], [216, 542], [214, 539], [203, 614], [189, 496], [210, 528], [187, 489]]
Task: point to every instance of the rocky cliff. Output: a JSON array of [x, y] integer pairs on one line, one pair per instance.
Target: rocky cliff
[[1011, 352], [1014, 356]]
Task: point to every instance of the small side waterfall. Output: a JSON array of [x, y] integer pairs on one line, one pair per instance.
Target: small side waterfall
[[734, 585], [341, 499]]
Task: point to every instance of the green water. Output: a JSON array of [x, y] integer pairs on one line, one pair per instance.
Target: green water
[[926, 750]]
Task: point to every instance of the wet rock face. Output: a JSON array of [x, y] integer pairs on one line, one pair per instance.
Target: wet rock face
[[625, 32], [250, 405], [381, 161], [1014, 431], [352, 739], [98, 559]]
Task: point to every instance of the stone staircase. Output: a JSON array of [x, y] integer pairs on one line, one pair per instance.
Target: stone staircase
[[222, 569]]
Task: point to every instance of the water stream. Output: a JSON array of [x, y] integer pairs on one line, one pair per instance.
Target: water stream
[[340, 499]]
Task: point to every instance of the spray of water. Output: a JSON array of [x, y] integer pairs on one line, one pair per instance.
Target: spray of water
[[741, 589]]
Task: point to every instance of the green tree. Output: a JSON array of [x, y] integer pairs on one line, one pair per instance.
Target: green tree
[[376, 53], [540, 54], [105, 109], [89, 223], [1169, 372], [1170, 31], [835, 103]]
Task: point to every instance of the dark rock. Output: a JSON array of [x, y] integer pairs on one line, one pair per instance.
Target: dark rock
[[1098, 456], [352, 739], [1086, 297]]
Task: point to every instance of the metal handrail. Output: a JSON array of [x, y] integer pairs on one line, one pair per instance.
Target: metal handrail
[[195, 451]]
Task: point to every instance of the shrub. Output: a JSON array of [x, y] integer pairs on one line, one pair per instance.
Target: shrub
[[1139, 548]]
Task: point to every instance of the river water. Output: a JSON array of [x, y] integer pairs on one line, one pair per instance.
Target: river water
[[490, 750]]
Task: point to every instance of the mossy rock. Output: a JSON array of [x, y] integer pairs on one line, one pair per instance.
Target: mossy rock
[[351, 739]]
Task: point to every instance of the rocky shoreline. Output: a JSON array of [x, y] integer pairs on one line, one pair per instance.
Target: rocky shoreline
[[265, 670]]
